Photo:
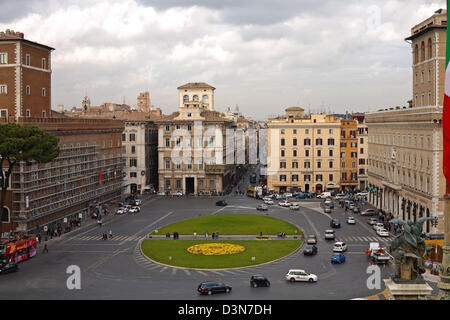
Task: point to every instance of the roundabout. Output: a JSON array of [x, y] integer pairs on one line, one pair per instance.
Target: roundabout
[[238, 246]]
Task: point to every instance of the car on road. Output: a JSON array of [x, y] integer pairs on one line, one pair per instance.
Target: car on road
[[268, 201], [258, 280], [312, 239], [295, 207], [329, 204], [324, 195], [133, 210], [377, 225], [329, 235], [382, 232], [276, 196], [369, 212], [137, 202], [177, 194], [287, 195], [213, 287], [161, 194], [335, 223], [120, 211], [302, 196], [294, 275], [338, 258], [351, 205], [351, 220], [339, 247], [284, 203], [262, 207], [310, 250], [340, 196], [372, 221], [221, 203], [362, 194], [356, 210], [8, 266], [327, 209]]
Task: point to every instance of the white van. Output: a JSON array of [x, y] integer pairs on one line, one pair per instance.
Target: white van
[[324, 195]]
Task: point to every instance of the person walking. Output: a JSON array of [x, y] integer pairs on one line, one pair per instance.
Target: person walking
[[45, 248], [110, 234]]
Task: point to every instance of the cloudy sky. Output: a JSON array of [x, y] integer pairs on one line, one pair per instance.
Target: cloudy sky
[[262, 55]]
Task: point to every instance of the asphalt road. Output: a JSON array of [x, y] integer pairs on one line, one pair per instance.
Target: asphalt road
[[115, 269]]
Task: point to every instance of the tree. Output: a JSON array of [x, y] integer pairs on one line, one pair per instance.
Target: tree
[[22, 143]]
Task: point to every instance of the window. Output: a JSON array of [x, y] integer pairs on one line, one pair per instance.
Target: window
[[318, 142], [3, 89], [178, 165], [195, 98], [306, 153], [319, 131], [283, 178], [295, 177], [185, 98], [361, 140], [212, 184], [132, 137], [282, 142], [178, 184], [307, 142], [167, 128], [133, 175], [43, 64], [330, 164], [167, 184], [4, 113], [331, 142], [330, 152], [307, 165], [294, 131], [319, 164], [205, 99], [330, 131], [319, 153], [43, 92], [44, 114], [167, 164], [294, 153], [133, 162], [343, 165], [124, 137], [133, 149], [342, 155], [307, 177], [27, 59], [283, 153], [3, 58], [189, 127], [178, 127], [28, 113], [28, 90], [189, 115], [318, 177], [282, 131], [167, 142], [294, 142], [282, 165], [294, 165], [330, 177], [361, 150], [306, 131]]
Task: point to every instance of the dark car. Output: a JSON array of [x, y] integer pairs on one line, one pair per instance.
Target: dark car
[[310, 250], [335, 223], [222, 203], [312, 239], [212, 287], [369, 212], [356, 210], [302, 196], [259, 280], [327, 209], [7, 267]]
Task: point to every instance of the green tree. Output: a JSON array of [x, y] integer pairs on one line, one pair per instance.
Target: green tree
[[23, 143]]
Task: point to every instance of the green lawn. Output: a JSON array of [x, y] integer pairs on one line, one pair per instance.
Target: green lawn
[[263, 251], [231, 224]]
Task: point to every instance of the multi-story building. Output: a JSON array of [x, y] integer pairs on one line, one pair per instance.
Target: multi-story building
[[405, 144], [88, 171], [192, 145], [25, 77], [349, 155], [143, 102], [303, 152], [363, 150]]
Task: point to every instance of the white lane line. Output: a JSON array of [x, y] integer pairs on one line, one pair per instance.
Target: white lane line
[[187, 272], [217, 211], [174, 271], [216, 272], [202, 273], [163, 269]]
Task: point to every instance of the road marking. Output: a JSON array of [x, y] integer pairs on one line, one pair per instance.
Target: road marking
[[163, 269], [187, 272], [201, 272], [217, 211], [174, 271]]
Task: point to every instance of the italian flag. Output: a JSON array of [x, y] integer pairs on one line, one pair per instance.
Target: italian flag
[[446, 111]]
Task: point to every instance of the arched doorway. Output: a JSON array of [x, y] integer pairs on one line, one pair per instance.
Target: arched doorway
[[319, 188], [5, 215]]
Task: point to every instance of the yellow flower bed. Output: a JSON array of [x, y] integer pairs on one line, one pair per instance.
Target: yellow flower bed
[[262, 238], [215, 249]]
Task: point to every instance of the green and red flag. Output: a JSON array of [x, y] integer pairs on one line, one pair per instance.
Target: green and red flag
[[446, 111]]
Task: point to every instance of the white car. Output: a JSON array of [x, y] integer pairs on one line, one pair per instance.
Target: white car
[[378, 225], [339, 196], [161, 194], [284, 203], [351, 220], [268, 201], [177, 194], [382, 232], [120, 211], [287, 195], [133, 210], [339, 247], [294, 207], [362, 193], [137, 202], [300, 275]]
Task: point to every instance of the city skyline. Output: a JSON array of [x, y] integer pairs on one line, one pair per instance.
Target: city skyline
[[330, 57]]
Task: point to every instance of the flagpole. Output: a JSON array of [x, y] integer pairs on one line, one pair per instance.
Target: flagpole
[[444, 282]]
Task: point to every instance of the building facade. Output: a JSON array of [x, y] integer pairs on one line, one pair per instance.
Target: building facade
[[405, 144], [363, 150], [349, 155], [192, 145], [303, 152], [25, 77]]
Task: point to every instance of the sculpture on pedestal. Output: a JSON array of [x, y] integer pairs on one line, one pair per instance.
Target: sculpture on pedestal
[[410, 251]]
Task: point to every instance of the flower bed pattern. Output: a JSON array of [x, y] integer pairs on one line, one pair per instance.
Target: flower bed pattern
[[215, 249]]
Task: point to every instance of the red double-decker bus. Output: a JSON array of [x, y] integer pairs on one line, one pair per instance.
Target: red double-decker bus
[[19, 250]]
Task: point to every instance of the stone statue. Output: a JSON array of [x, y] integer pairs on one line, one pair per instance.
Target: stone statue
[[409, 251]]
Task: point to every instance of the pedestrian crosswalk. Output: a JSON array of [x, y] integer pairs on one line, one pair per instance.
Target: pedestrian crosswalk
[[364, 239], [100, 238]]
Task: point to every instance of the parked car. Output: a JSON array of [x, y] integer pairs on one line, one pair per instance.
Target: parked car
[[137, 202], [335, 223], [133, 210], [324, 195], [277, 196], [120, 211], [312, 239], [310, 250], [339, 247], [369, 212], [138, 209], [213, 287], [268, 201], [287, 195], [8, 266], [300, 275], [338, 258], [258, 280], [295, 207], [340, 196], [327, 209], [351, 220], [262, 207], [302, 196], [284, 203], [221, 203], [382, 232], [372, 221], [161, 194], [362, 194], [177, 194], [329, 235], [377, 225]]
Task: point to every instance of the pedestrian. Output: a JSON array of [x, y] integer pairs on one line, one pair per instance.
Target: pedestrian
[[110, 233], [45, 248]]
